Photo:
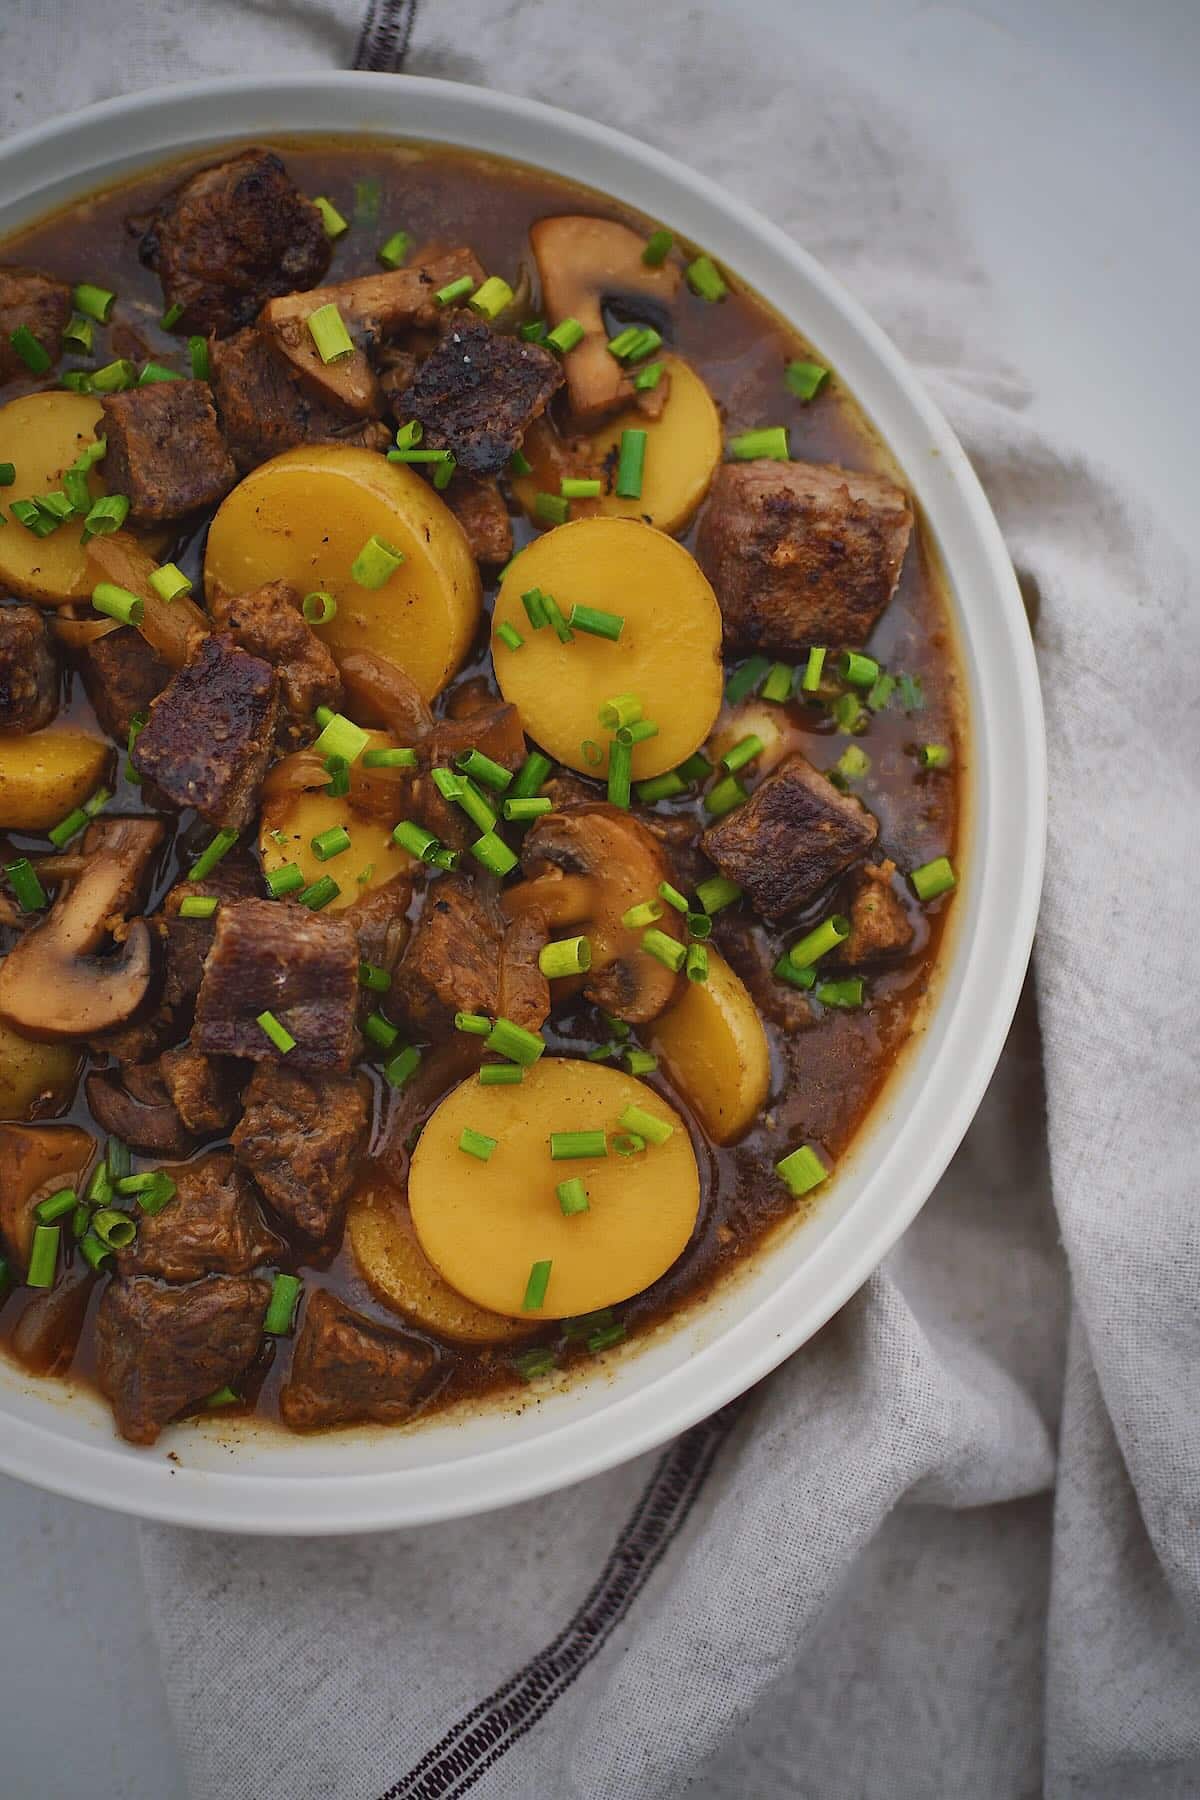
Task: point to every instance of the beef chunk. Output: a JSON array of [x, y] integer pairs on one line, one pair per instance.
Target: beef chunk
[[231, 237], [210, 733], [204, 1090], [478, 391], [790, 838], [188, 941], [136, 1106], [165, 450], [28, 670], [300, 1136], [162, 1350], [346, 1369], [480, 510], [802, 553], [265, 410], [122, 675], [39, 303], [879, 921], [274, 956], [268, 623], [463, 958], [212, 1226], [495, 729], [381, 923]]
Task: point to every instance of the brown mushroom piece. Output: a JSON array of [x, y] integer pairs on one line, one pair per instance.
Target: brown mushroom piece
[[587, 866], [583, 263], [348, 383], [35, 1162], [53, 984], [379, 693]]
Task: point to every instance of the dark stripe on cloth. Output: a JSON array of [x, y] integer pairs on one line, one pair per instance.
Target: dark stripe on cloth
[[468, 1750], [384, 38]]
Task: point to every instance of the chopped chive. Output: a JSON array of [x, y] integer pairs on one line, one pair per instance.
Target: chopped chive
[[723, 796], [605, 1337], [881, 693], [530, 776], [640, 1062], [34, 355], [572, 1196], [770, 444], [646, 912], [373, 978], [393, 251], [521, 809], [637, 733], [593, 753], [338, 785], [648, 377], [409, 435], [657, 248], [534, 603], [566, 334], [628, 1143], [340, 736], [115, 1230], [319, 894], [717, 892], [8, 474], [819, 942], [58, 504], [491, 297], [509, 635], [94, 302], [114, 377], [43, 1256], [810, 681], [107, 514], [81, 1218], [380, 1031], [850, 766], [476, 1143], [420, 456], [535, 1287], [79, 333], [696, 966], [285, 880], [804, 379], [474, 1024], [645, 1125], [482, 768], [912, 695], [848, 993], [281, 1307], [454, 291], [118, 603], [631, 463], [596, 622], [635, 342], [375, 563], [561, 629], [94, 1253], [494, 853], [212, 853], [848, 715], [77, 380], [77, 491], [156, 371], [620, 773], [699, 925], [23, 879], [334, 842], [695, 768], [933, 756], [519, 464], [534, 332], [705, 279], [501, 1074], [933, 878], [198, 358], [802, 1171], [172, 316], [27, 514], [664, 949], [62, 833], [393, 758], [364, 874], [513, 1041], [622, 709], [672, 896], [279, 1035], [401, 1067], [475, 806], [743, 752], [565, 956], [532, 1364], [746, 679], [579, 487], [55, 1206], [118, 1160], [573, 1146], [415, 839], [661, 787], [551, 508], [198, 906], [859, 670], [169, 582], [335, 225], [778, 685]]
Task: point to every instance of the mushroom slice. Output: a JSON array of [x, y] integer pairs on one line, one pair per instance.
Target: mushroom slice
[[589, 864], [382, 694], [35, 1161], [53, 984], [582, 263], [348, 384]]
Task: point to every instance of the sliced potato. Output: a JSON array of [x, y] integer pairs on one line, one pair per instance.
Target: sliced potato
[[290, 821], [46, 775], [683, 449], [668, 654], [484, 1224], [714, 1048], [41, 435], [304, 516], [35, 1079], [398, 1273]]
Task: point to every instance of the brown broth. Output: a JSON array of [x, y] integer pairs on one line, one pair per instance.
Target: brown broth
[[828, 1068]]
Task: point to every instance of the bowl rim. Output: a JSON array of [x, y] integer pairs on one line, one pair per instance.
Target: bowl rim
[[102, 144]]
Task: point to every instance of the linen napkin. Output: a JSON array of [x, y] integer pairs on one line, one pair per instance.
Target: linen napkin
[[950, 1548]]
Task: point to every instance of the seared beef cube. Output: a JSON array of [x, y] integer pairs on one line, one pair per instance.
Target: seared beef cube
[[122, 675], [264, 409], [188, 941], [790, 838], [273, 956], [493, 728], [480, 510], [300, 1136], [212, 1226], [231, 237], [478, 391], [165, 450], [879, 921], [462, 957], [28, 670], [268, 623], [42, 306], [135, 1105], [381, 923], [802, 553], [210, 733], [204, 1090], [160, 1351], [345, 1368]]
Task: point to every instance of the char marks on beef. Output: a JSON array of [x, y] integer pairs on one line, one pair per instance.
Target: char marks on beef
[[793, 835], [165, 450], [210, 733], [268, 623], [478, 392]]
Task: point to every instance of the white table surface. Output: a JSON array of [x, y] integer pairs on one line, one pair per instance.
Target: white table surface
[[1074, 134]]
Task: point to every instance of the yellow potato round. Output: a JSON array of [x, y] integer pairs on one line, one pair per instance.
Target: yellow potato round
[[45, 775], [304, 516], [42, 434], [35, 1079], [287, 827], [398, 1273], [683, 449], [714, 1048], [484, 1224], [668, 654]]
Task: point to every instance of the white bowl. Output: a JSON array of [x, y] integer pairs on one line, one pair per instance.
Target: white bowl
[[261, 1480]]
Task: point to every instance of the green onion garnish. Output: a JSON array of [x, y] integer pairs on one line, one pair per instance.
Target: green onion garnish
[[672, 896], [475, 1024], [454, 291], [859, 670], [198, 906], [334, 842], [80, 334], [339, 736], [666, 950], [658, 248], [501, 1074], [212, 853], [810, 681], [565, 956], [912, 697], [115, 1230], [118, 1161], [279, 1035], [285, 880], [393, 250], [696, 966], [28, 514], [106, 514], [153, 1189], [852, 764], [770, 444], [375, 563], [8, 474], [43, 1256], [34, 355], [579, 487], [818, 942], [395, 758], [699, 925], [328, 331], [534, 603], [743, 752], [338, 785], [848, 993], [558, 624], [172, 316], [661, 787], [494, 854], [55, 1206], [565, 336], [620, 773], [23, 879], [399, 1068], [622, 709], [933, 878], [551, 508], [482, 768], [645, 1125], [572, 1146], [519, 464], [509, 635], [778, 685], [628, 1143], [933, 756], [723, 796], [804, 379], [156, 371], [746, 679], [848, 714], [93, 302], [631, 465], [373, 978], [648, 377], [881, 693], [705, 279], [643, 914], [198, 358], [319, 894], [491, 297], [640, 1062], [281, 1307], [786, 970], [118, 603], [596, 622], [169, 582], [331, 218], [530, 776], [114, 377], [534, 332], [531, 1364], [572, 1196], [94, 1253], [415, 839], [535, 1287], [717, 892], [513, 1041], [802, 1171], [476, 1143]]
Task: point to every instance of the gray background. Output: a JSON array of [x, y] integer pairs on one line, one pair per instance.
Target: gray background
[[1071, 127]]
